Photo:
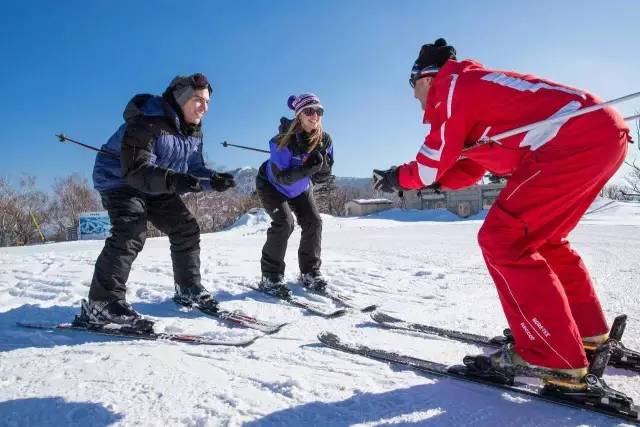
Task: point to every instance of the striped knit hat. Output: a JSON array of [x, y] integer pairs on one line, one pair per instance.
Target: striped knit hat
[[300, 102]]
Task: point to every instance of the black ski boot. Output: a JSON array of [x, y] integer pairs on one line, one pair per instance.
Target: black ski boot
[[314, 281], [505, 364], [97, 314], [195, 296], [273, 284]]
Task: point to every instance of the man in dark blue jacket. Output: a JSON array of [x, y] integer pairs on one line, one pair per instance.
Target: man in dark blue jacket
[[156, 155]]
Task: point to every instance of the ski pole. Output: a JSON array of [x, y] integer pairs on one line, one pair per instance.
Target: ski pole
[[62, 137], [226, 144], [632, 118], [564, 117]]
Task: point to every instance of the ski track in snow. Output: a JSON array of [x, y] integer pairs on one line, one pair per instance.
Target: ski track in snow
[[420, 267]]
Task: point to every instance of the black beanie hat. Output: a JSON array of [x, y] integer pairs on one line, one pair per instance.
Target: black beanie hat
[[431, 58]]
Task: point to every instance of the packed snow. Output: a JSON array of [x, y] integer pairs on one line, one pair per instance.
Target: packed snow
[[423, 266]]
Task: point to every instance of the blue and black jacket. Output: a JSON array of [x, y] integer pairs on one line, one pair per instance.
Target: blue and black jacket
[[284, 169], [152, 143]]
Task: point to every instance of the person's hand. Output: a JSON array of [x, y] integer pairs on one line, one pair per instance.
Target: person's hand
[[386, 180], [222, 181], [183, 183], [314, 163]]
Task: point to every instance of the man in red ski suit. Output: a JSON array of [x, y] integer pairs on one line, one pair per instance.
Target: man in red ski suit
[[554, 172]]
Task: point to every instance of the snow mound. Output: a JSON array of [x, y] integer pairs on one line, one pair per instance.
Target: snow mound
[[254, 218]]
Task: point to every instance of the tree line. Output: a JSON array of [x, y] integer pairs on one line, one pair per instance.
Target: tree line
[[29, 215]]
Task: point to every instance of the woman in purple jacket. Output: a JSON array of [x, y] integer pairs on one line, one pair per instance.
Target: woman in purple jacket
[[301, 154]]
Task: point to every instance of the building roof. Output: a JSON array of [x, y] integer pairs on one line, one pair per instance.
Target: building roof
[[372, 201]]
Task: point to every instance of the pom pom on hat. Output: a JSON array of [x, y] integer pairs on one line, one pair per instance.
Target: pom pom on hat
[[431, 58], [300, 102]]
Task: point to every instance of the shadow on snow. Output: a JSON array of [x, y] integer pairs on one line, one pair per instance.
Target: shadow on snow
[[55, 411], [443, 403]]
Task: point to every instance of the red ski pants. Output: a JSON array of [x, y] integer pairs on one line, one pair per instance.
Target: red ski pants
[[545, 289]]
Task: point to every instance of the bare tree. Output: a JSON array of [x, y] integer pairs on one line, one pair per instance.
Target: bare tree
[[19, 211], [72, 196], [215, 211], [8, 204], [633, 177], [614, 192]]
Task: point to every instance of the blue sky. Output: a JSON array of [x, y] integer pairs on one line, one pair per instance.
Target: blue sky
[[71, 67]]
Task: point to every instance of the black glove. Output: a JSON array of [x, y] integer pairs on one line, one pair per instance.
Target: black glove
[[313, 164], [386, 181], [222, 181], [324, 173], [182, 183]]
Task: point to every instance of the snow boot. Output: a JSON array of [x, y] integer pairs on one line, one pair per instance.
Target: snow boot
[[506, 359], [195, 295], [119, 312], [314, 281], [273, 283]]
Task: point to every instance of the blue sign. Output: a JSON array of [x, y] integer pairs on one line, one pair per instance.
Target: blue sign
[[94, 226]]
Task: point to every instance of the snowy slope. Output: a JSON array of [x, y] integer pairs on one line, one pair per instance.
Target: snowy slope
[[425, 265]]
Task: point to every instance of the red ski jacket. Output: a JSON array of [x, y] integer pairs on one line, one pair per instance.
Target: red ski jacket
[[468, 103]]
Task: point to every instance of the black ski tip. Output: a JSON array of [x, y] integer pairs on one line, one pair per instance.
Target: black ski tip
[[337, 313], [276, 329], [379, 316], [369, 308], [248, 342], [328, 337]]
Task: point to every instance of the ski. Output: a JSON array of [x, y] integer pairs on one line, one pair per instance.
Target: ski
[[118, 331], [318, 309], [597, 397], [391, 322], [621, 356], [237, 317], [342, 300]]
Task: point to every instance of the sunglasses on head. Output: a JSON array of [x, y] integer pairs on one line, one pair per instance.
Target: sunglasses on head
[[311, 111], [414, 78], [200, 81]]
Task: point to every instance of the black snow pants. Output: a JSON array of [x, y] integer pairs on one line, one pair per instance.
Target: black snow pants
[[129, 211], [279, 208]]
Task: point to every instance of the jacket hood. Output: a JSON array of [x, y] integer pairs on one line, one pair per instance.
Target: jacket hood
[[144, 105], [152, 105]]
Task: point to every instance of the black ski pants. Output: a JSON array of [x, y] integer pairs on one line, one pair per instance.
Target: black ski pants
[[129, 211], [279, 208]]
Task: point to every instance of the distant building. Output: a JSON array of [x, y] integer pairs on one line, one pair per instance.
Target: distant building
[[72, 233], [359, 207], [463, 203]]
